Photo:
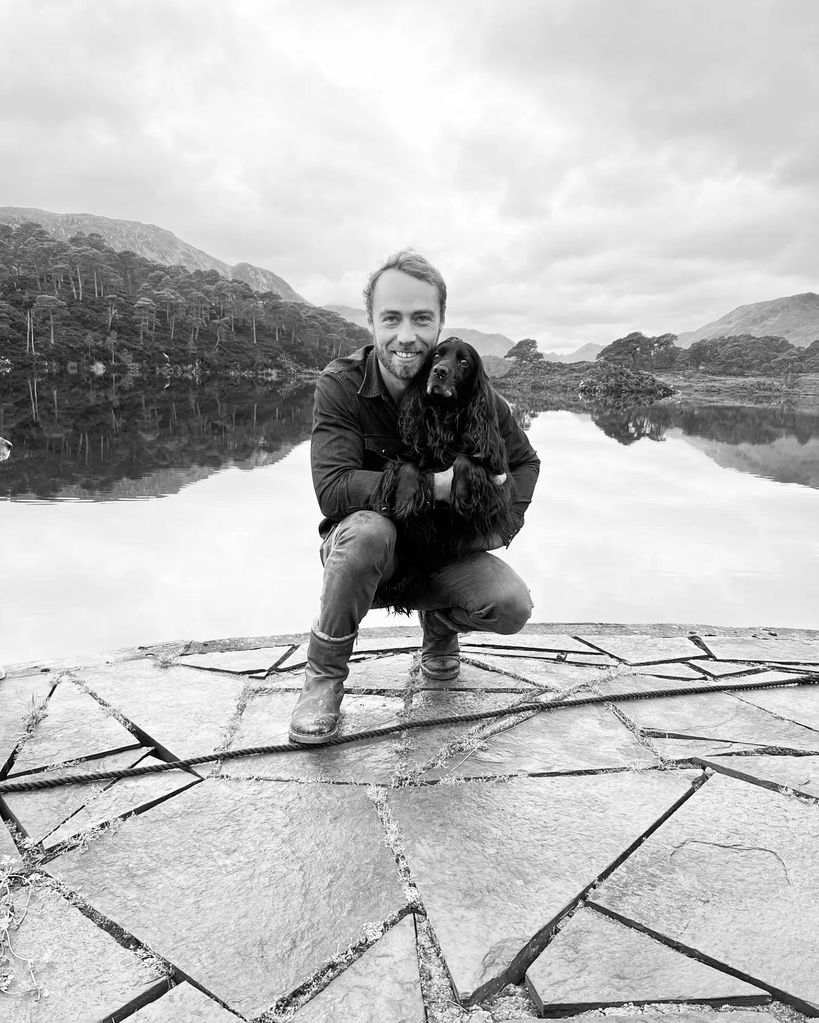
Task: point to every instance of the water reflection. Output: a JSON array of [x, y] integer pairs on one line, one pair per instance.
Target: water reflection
[[126, 438]]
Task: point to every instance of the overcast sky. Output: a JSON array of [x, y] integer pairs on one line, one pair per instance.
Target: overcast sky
[[576, 168]]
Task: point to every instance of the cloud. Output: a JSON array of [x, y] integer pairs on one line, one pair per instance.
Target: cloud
[[577, 169]]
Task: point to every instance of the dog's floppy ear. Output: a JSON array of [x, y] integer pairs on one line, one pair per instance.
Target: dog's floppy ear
[[482, 425]]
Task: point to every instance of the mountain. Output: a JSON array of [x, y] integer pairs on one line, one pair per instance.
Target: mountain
[[484, 344], [587, 353], [150, 242], [796, 318]]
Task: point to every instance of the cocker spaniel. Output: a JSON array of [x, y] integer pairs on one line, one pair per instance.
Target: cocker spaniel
[[447, 417]]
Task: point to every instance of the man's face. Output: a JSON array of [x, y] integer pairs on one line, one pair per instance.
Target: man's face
[[406, 324]]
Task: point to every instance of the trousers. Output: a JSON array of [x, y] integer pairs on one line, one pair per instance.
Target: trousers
[[476, 593]]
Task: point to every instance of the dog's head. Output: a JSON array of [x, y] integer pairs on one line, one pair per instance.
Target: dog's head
[[455, 372]]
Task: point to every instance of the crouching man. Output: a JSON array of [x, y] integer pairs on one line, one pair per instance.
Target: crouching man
[[355, 431]]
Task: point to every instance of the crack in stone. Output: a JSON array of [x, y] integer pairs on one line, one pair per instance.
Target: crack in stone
[[734, 846]]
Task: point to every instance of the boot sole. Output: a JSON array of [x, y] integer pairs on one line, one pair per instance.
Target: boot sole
[[312, 740], [440, 676]]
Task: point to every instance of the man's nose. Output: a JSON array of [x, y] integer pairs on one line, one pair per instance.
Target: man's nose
[[406, 331]]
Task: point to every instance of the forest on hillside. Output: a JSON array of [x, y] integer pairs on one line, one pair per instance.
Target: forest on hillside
[[79, 306], [742, 355]]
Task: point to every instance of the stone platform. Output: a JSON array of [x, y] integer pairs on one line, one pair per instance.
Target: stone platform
[[655, 856]]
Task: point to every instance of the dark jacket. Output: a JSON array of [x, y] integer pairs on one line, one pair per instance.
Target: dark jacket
[[355, 431]]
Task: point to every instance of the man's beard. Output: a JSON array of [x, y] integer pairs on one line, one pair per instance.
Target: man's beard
[[398, 368]]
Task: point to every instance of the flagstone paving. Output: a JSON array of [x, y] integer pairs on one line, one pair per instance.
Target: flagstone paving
[[651, 856], [594, 961]]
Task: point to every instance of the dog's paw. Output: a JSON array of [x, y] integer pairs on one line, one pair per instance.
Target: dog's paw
[[410, 493]]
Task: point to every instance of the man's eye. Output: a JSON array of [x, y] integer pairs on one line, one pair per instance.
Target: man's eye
[[388, 319]]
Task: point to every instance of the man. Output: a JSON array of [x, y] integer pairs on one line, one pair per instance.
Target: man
[[355, 431]]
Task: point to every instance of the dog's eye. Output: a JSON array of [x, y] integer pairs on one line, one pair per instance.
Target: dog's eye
[[465, 362]]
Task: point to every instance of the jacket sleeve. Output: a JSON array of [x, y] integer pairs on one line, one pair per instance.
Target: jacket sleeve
[[342, 486], [524, 464]]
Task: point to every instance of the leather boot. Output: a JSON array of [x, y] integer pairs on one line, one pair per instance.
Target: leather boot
[[440, 655], [315, 717]]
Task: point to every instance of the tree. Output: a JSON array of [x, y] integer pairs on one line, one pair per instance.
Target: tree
[[48, 305], [525, 351]]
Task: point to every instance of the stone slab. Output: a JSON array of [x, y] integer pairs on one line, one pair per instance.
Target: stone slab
[[591, 659], [423, 745], [382, 986], [559, 676], [16, 697], [640, 684], [698, 1015], [674, 670], [720, 669], [556, 642], [595, 962], [184, 710], [389, 644], [798, 703], [387, 674], [497, 863], [378, 674], [265, 722], [717, 716], [298, 657], [756, 678], [88, 975], [780, 651], [38, 812], [473, 677], [551, 742], [732, 869], [75, 726], [673, 750], [798, 773], [183, 1004], [295, 659], [249, 888], [239, 661], [641, 649], [125, 796]]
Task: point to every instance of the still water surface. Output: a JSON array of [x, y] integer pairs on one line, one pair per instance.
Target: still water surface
[[193, 516]]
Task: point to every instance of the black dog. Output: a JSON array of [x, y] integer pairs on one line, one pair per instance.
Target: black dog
[[447, 417]]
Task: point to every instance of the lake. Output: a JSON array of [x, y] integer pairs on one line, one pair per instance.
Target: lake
[[132, 515]]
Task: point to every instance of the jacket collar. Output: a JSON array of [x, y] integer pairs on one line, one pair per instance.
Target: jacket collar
[[373, 384]]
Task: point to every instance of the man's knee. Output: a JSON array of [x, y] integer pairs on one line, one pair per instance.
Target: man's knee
[[365, 534], [513, 609]]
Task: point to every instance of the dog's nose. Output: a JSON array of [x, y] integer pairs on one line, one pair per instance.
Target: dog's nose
[[439, 371]]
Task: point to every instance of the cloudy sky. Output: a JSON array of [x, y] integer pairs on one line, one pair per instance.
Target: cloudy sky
[[576, 168]]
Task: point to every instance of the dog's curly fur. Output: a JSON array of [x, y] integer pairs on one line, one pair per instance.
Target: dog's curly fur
[[447, 417]]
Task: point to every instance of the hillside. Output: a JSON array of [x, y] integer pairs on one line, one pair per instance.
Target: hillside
[[795, 318], [150, 242], [79, 306]]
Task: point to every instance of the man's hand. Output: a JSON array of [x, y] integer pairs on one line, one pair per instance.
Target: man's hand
[[443, 483]]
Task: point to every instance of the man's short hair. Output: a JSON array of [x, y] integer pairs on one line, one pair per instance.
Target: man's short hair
[[414, 264]]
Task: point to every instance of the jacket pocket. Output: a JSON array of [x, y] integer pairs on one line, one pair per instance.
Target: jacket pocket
[[379, 448]]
